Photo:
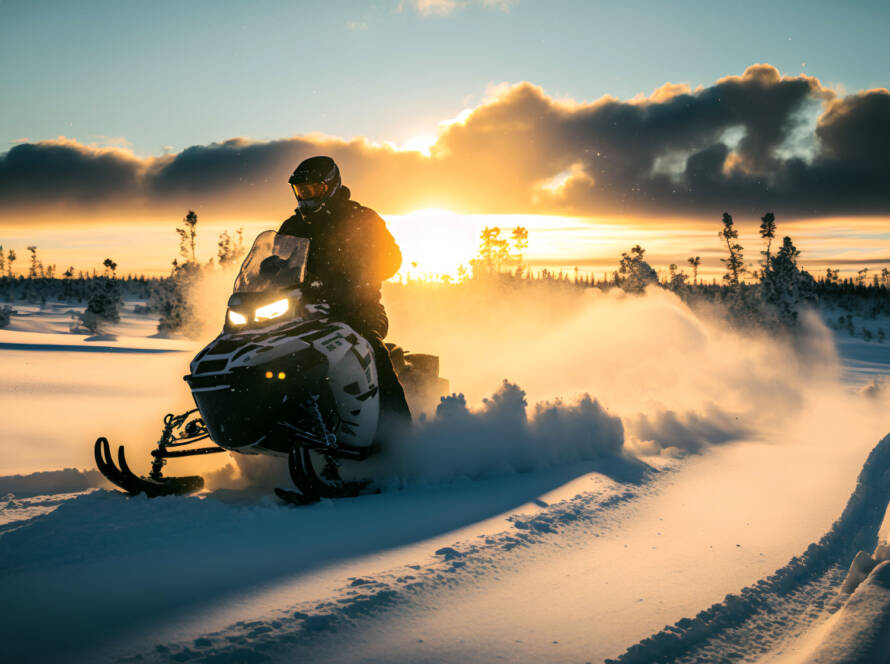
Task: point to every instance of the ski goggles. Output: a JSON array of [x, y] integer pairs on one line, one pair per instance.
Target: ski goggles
[[308, 191]]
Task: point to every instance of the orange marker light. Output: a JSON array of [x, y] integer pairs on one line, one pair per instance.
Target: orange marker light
[[269, 374]]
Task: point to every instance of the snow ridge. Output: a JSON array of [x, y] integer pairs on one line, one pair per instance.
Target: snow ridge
[[45, 482], [289, 631], [808, 581]]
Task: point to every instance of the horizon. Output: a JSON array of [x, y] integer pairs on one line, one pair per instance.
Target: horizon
[[555, 244]]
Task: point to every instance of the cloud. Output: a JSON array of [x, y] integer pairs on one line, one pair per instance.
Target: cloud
[[432, 7], [62, 169], [356, 25], [677, 152], [449, 7], [110, 141]]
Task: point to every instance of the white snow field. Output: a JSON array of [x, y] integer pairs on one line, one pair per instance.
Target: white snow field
[[717, 485]]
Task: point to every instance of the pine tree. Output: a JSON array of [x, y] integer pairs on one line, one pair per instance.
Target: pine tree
[[187, 236], [230, 251], [785, 286], [767, 232], [676, 280], [493, 250], [634, 274], [35, 270], [519, 236], [735, 264], [694, 261], [104, 301]]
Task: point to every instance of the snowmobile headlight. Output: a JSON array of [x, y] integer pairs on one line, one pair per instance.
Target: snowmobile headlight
[[237, 319], [273, 310]]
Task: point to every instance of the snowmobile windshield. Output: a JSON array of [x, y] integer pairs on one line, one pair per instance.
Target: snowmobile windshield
[[274, 262]]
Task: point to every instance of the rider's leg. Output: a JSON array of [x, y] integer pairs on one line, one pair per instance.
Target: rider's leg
[[373, 325], [392, 394]]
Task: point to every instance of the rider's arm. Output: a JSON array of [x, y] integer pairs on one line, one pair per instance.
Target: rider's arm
[[389, 253], [289, 227], [382, 253]]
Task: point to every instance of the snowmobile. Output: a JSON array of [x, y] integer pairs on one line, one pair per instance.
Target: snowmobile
[[282, 378]]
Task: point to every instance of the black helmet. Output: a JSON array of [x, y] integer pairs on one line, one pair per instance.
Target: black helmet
[[314, 181]]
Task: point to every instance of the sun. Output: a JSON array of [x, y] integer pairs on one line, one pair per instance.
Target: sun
[[422, 144], [434, 242]]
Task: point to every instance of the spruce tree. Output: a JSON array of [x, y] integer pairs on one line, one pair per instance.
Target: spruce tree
[[735, 264]]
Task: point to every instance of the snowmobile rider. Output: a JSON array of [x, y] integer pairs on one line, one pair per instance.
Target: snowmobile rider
[[351, 253]]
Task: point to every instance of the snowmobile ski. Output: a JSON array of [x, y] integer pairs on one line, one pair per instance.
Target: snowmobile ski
[[310, 487], [121, 475], [179, 431]]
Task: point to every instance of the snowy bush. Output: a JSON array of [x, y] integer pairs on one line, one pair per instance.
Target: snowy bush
[[634, 274], [103, 305], [5, 316], [784, 286], [170, 299]]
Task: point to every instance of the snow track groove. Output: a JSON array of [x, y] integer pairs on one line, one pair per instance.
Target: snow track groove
[[791, 598], [284, 635]]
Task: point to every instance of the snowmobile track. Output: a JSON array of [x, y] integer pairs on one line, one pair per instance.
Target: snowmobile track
[[805, 585]]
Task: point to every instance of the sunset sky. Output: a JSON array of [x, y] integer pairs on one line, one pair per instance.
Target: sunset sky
[[595, 124]]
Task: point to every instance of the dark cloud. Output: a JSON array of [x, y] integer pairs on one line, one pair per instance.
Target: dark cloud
[[679, 151], [65, 170]]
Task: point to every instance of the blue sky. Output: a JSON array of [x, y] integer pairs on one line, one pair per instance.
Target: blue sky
[[166, 75]]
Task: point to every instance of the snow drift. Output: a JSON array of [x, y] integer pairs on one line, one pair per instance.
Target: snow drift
[[856, 529], [860, 632]]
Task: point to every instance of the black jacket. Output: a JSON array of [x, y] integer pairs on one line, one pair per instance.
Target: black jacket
[[351, 252]]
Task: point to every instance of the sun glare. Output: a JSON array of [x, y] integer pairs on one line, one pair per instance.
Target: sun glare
[[436, 242], [421, 144]]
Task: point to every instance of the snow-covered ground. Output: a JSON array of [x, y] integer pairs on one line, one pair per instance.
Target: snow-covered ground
[[558, 552]]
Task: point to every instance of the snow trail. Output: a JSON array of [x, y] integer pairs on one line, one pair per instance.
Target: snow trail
[[186, 556], [752, 621], [293, 634]]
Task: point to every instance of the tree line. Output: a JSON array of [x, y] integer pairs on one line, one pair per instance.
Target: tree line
[[769, 293], [103, 292]]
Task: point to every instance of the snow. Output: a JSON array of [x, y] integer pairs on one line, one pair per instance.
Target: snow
[[861, 633], [100, 549], [540, 525]]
